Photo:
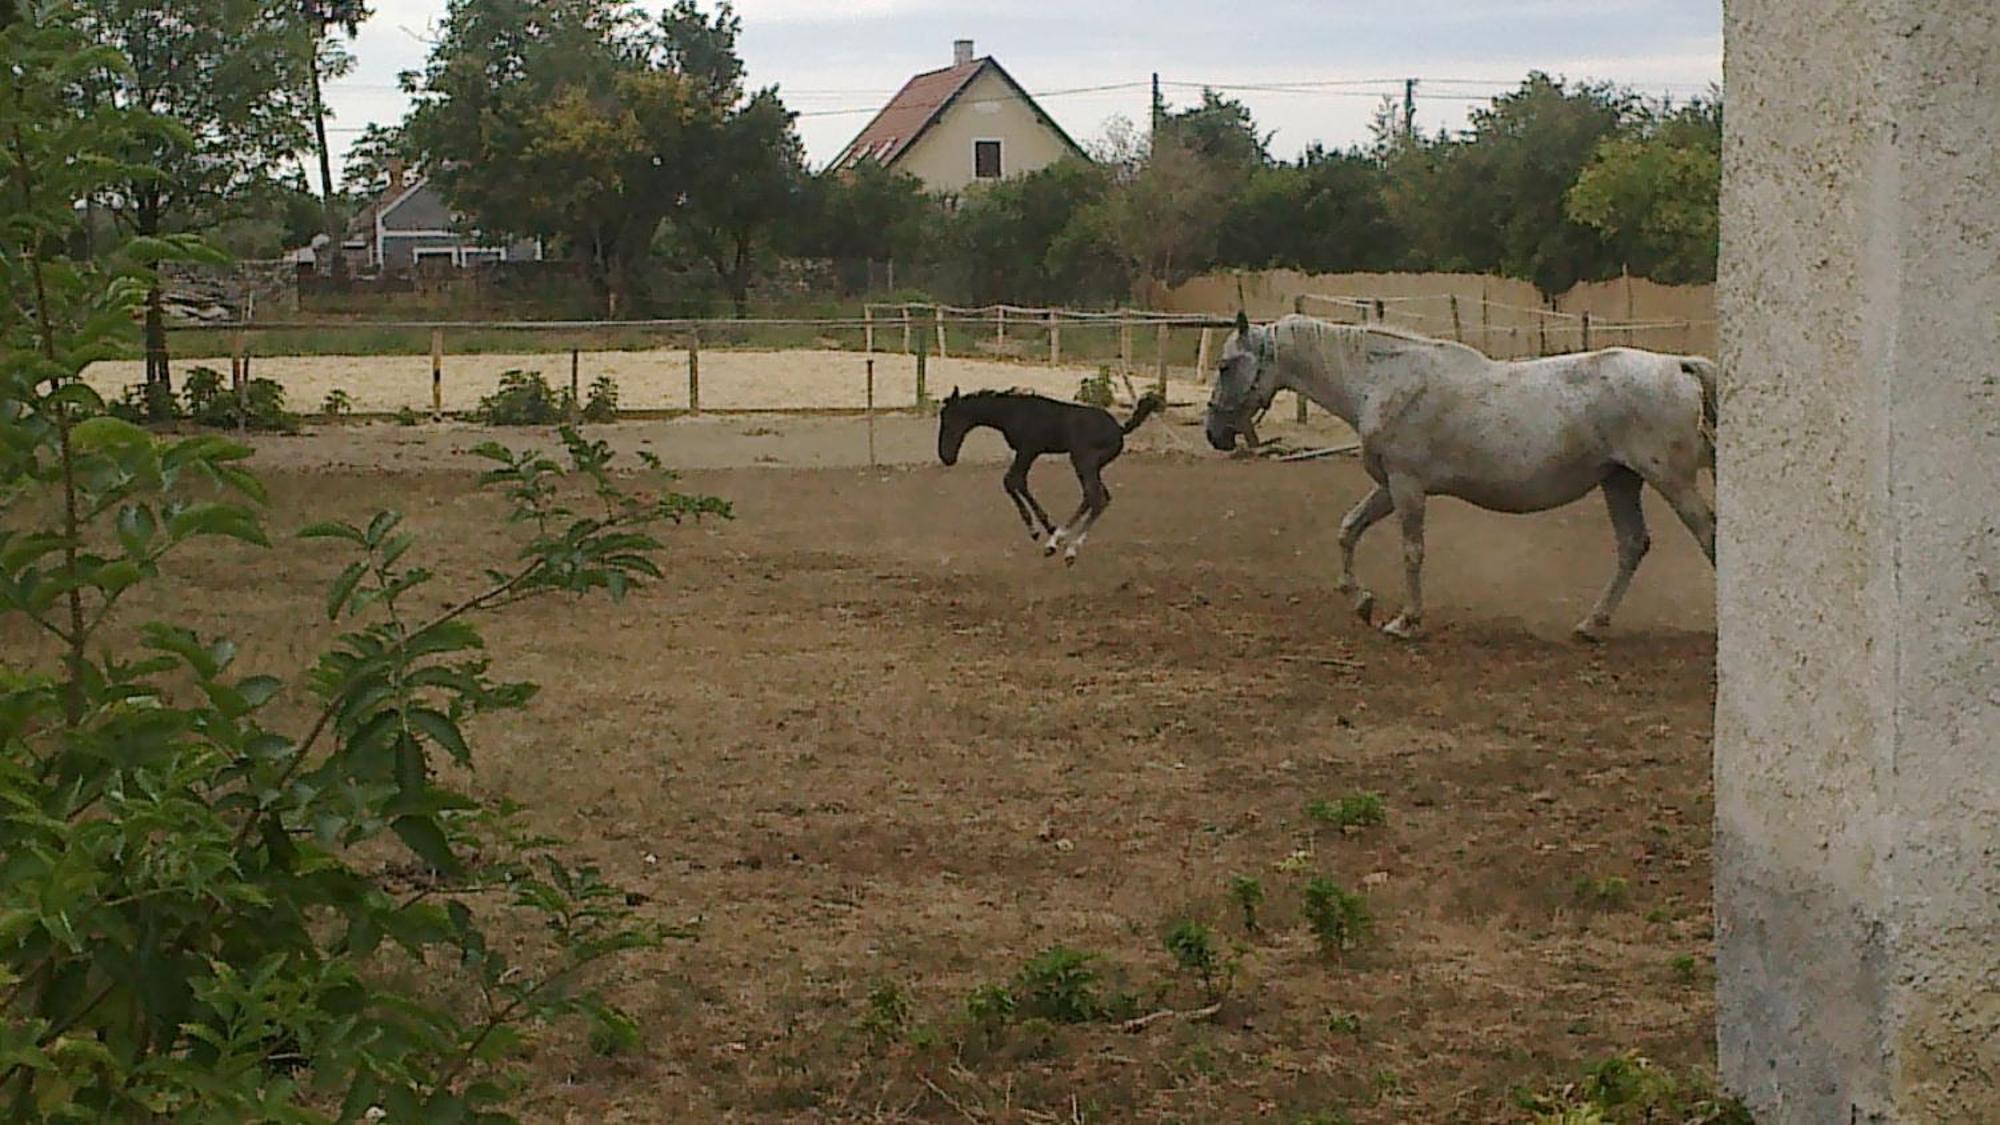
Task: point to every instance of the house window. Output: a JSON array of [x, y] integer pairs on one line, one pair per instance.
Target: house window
[[986, 160], [424, 255]]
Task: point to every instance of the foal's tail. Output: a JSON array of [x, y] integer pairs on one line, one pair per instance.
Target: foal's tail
[[1150, 403], [1704, 371]]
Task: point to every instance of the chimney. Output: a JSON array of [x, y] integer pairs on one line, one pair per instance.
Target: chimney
[[961, 52], [395, 173]]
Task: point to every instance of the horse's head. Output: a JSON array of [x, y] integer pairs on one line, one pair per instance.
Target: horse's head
[[1245, 383], [953, 424]]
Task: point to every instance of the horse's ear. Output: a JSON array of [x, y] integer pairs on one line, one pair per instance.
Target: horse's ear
[[953, 396], [1242, 322]]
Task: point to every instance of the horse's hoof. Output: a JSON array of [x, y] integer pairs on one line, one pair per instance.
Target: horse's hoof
[[1069, 559], [1402, 628], [1364, 608], [1587, 632]]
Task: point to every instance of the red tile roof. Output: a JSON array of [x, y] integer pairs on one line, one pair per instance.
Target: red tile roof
[[917, 106], [909, 113]]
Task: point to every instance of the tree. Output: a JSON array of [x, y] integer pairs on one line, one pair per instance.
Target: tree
[[1166, 220], [574, 119], [1221, 130], [329, 60], [232, 75], [865, 212], [998, 244], [1653, 193], [1497, 194], [1324, 214], [365, 174], [195, 919], [751, 176]]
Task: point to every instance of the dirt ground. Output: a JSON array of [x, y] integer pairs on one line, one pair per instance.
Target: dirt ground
[[866, 735]]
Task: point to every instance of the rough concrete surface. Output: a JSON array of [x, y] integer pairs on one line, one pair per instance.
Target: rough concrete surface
[[1858, 714]]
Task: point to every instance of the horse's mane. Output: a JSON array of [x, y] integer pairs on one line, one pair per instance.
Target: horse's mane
[[1355, 337], [991, 395]]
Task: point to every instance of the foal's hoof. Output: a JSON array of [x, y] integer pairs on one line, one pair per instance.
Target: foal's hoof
[[1364, 608], [1403, 629], [1048, 550], [1588, 632], [1069, 559]]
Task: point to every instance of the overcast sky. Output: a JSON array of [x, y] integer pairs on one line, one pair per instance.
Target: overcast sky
[[837, 61]]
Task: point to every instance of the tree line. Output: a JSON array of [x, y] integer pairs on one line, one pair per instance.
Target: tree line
[[635, 145]]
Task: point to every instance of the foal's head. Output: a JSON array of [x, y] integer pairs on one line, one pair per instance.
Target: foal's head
[[1245, 383], [954, 421]]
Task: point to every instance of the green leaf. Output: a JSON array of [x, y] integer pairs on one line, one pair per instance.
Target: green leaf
[[136, 527], [95, 435], [422, 835], [440, 729], [333, 530], [226, 520], [343, 588]]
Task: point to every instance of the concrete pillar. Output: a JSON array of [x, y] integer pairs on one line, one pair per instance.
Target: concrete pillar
[[1857, 770]]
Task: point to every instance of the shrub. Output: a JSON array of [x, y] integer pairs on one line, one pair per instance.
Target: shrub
[[1095, 390], [1630, 1089], [1607, 891], [1248, 894], [407, 416], [523, 399], [1059, 985], [338, 404], [1339, 920], [1193, 948], [196, 919], [601, 402], [887, 1015], [1355, 810]]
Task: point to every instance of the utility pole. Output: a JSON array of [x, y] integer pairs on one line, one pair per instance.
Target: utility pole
[[1409, 107], [1159, 108]]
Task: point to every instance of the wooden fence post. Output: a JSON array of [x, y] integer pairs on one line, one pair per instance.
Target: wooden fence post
[[1203, 354], [921, 390], [868, 328], [1541, 333], [239, 372], [437, 374], [939, 310], [1457, 329], [906, 330], [999, 324], [871, 413], [575, 395], [1485, 323], [1160, 356], [1125, 346], [694, 372], [1055, 338], [1584, 330]]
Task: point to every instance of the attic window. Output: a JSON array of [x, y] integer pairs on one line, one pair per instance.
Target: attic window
[[986, 160]]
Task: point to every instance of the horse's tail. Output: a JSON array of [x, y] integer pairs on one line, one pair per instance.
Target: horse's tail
[[1704, 371], [1150, 403]]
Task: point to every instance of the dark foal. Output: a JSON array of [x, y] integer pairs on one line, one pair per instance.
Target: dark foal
[[1034, 425]]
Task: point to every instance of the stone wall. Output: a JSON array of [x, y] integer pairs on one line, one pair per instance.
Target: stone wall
[[1857, 773]]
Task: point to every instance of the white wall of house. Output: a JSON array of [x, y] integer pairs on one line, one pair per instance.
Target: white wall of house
[[987, 110]]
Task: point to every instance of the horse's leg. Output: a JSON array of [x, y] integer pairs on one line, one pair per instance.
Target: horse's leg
[[1628, 522], [1097, 498], [1691, 506], [1359, 519], [1059, 535], [1017, 490], [1408, 497]]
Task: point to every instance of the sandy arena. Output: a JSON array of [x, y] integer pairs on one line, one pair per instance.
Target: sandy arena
[[731, 380], [865, 734]]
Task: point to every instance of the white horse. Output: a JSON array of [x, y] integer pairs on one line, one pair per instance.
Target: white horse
[[1441, 419]]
